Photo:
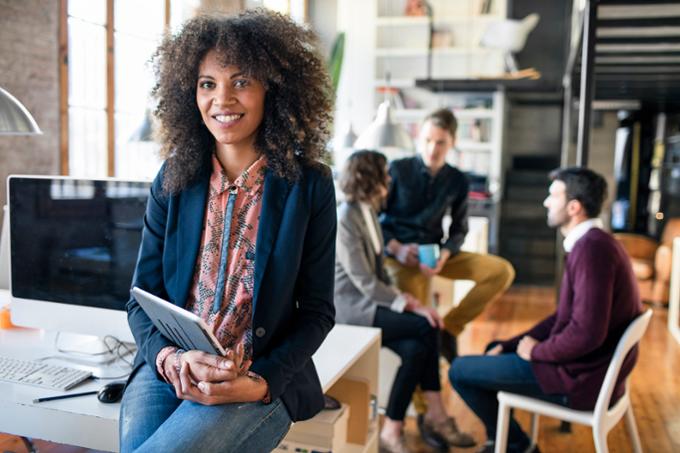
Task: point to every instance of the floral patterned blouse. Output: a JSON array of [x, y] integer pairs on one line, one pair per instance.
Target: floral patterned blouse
[[224, 276]]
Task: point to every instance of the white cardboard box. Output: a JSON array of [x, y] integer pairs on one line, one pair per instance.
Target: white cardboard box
[[325, 432]]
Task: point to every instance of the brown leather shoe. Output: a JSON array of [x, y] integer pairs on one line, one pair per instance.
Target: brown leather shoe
[[450, 432]]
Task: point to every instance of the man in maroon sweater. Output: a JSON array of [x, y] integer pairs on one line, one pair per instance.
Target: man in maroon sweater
[[564, 358]]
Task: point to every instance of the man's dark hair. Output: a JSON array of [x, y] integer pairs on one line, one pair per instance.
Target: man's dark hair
[[583, 185], [445, 119]]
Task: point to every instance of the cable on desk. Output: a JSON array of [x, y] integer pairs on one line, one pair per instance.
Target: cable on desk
[[113, 346]]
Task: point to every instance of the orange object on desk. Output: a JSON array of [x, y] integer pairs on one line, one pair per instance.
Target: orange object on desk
[[5, 320]]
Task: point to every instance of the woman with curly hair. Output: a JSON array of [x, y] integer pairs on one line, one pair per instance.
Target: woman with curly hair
[[240, 230], [364, 296]]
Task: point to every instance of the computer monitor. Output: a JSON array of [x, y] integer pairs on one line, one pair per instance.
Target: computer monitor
[[73, 248], [4, 251]]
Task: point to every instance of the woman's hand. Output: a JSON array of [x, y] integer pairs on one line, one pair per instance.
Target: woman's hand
[[244, 388], [411, 302], [431, 315], [414, 306], [213, 368]]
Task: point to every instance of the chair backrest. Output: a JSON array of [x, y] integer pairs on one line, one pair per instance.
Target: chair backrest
[[637, 246], [670, 230], [630, 338]]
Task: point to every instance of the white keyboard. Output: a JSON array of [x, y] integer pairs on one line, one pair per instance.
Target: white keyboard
[[40, 374]]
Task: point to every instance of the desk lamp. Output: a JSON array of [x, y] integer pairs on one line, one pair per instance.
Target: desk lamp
[[15, 119], [383, 133]]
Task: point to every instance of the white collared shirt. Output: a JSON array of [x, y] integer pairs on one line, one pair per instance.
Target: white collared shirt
[[399, 303], [369, 218], [579, 231]]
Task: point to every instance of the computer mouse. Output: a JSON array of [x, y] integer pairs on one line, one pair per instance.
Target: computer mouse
[[111, 392]]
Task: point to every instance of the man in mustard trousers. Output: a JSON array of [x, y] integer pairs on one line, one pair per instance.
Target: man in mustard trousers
[[423, 189]]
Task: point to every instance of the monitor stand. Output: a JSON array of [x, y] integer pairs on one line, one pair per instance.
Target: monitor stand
[[87, 349], [102, 357]]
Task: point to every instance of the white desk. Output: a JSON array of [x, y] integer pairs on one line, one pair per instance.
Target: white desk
[[348, 351]]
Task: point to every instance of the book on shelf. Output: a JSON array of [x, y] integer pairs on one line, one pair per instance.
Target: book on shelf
[[476, 130], [479, 195]]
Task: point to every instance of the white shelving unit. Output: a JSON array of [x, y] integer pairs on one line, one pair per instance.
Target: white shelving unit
[[479, 143], [402, 41], [382, 41]]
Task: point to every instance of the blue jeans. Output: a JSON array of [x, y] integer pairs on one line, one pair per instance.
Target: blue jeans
[[478, 378], [152, 419]]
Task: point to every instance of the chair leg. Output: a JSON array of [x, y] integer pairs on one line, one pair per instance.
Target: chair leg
[[502, 426], [632, 430], [534, 428], [600, 438], [565, 427], [30, 446]]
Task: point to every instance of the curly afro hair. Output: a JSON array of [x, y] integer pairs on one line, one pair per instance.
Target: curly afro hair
[[264, 45]]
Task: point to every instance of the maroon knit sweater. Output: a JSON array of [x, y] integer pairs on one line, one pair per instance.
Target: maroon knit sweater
[[598, 299]]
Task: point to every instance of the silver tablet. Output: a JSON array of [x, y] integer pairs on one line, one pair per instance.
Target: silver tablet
[[184, 328]]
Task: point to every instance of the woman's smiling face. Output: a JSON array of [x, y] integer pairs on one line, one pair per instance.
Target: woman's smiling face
[[231, 103]]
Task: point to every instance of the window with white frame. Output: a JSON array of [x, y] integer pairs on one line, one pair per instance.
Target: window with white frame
[[110, 43], [108, 47]]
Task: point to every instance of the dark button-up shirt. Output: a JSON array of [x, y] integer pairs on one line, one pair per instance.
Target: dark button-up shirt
[[417, 203]]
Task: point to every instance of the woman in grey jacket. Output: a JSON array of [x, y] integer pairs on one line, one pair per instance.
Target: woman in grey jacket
[[364, 296]]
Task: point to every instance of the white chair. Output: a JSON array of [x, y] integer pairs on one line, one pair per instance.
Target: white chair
[[510, 36], [602, 419]]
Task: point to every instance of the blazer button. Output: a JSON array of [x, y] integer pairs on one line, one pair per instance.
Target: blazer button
[[259, 332]]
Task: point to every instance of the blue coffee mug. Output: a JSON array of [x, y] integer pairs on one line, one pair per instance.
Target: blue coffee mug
[[428, 254]]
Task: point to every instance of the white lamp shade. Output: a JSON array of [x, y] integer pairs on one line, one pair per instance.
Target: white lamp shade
[[383, 132], [15, 119], [347, 138], [144, 133]]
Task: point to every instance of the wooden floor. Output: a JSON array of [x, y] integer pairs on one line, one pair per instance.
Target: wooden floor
[[655, 381], [655, 384]]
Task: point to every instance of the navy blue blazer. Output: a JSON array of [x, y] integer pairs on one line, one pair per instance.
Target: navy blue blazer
[[294, 275]]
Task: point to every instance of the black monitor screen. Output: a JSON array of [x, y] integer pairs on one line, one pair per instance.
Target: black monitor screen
[[75, 241]]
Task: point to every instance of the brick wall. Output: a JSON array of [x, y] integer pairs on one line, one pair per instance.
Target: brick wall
[[29, 70]]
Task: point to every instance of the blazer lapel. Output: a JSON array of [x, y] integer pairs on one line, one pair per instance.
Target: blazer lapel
[[189, 228], [358, 219], [273, 200]]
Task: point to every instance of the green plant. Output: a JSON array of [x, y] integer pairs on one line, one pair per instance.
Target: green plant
[[335, 61]]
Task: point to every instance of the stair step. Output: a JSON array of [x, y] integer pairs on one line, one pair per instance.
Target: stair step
[[527, 177]]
